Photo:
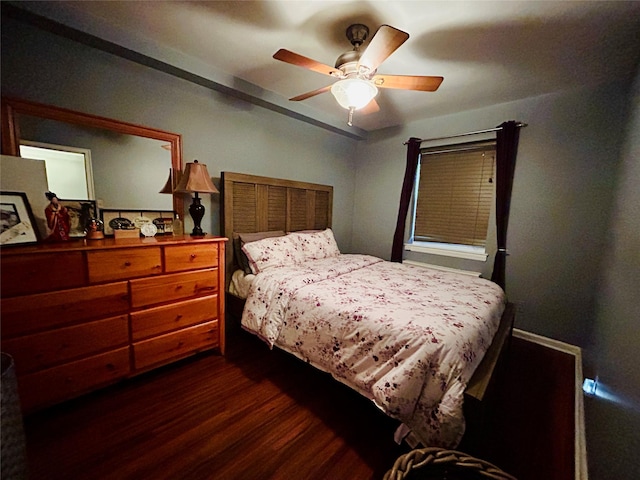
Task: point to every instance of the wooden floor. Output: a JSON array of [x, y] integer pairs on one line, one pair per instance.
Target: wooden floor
[[260, 414], [532, 436]]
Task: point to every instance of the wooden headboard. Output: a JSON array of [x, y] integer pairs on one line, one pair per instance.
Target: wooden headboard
[[258, 204]]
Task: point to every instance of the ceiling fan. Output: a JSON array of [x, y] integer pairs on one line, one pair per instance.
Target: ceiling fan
[[357, 70]]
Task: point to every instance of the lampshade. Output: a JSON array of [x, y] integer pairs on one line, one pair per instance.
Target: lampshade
[[196, 179], [353, 93]]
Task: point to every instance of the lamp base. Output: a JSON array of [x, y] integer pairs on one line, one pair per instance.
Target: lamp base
[[196, 210]]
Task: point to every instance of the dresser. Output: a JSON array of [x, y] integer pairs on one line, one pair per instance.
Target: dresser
[[77, 316]]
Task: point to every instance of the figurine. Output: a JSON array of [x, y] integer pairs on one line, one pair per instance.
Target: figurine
[[57, 219], [95, 230]]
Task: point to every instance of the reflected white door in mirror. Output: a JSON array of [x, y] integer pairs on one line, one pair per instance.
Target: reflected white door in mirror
[[69, 171]]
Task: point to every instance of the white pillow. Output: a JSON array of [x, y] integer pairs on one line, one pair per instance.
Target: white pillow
[[272, 252], [316, 245]]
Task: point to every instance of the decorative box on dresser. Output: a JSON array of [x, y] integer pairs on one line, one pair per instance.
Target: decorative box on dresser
[[80, 315]]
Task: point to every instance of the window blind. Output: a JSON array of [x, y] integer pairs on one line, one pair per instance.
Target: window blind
[[454, 195]]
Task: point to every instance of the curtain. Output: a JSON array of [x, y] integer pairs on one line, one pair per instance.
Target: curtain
[[413, 154], [506, 151]]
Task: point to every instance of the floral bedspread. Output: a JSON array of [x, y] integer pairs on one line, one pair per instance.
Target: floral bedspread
[[407, 337]]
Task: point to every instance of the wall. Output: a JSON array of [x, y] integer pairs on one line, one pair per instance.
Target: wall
[[570, 270], [223, 132], [614, 413], [574, 240], [564, 186]]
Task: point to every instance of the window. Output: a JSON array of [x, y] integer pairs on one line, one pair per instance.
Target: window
[[453, 197]]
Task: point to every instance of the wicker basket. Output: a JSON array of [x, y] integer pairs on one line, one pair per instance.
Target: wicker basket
[[439, 464]]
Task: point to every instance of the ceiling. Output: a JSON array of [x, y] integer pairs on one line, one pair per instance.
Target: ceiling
[[487, 52]]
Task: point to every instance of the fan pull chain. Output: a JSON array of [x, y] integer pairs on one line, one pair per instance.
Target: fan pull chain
[[350, 120]]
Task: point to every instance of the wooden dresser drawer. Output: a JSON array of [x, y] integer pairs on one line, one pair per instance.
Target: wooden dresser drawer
[[31, 313], [43, 350], [172, 346], [120, 264], [166, 288], [54, 385], [158, 320], [77, 316], [41, 272], [190, 257]]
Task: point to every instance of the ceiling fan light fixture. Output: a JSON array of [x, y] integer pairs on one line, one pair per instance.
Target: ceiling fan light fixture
[[353, 93]]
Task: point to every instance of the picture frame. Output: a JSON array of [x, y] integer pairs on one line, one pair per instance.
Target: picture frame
[[80, 212], [128, 218], [17, 226]]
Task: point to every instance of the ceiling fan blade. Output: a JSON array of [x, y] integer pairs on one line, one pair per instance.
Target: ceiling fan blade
[[301, 61], [304, 96], [408, 82], [371, 107], [385, 41]]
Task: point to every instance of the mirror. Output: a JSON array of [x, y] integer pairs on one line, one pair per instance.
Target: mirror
[[131, 163]]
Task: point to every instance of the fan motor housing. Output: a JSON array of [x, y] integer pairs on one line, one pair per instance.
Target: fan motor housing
[[352, 56], [348, 61]]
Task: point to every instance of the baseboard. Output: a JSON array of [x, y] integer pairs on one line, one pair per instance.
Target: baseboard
[[580, 444]]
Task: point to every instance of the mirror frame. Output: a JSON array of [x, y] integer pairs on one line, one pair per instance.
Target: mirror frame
[[11, 107]]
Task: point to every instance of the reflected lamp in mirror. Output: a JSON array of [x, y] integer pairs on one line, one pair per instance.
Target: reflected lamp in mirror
[[196, 179], [172, 182]]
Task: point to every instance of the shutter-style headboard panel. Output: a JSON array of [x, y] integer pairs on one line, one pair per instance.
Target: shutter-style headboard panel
[[252, 204]]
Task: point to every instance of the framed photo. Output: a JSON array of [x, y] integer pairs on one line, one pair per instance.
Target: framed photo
[[115, 219], [17, 224], [80, 212]]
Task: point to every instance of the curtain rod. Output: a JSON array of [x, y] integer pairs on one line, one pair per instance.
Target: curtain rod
[[520, 125]]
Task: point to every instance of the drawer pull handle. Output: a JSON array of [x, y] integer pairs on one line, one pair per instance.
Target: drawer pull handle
[[193, 256], [178, 318], [127, 264]]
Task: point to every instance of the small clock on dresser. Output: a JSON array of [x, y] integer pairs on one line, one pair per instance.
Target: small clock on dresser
[[149, 229]]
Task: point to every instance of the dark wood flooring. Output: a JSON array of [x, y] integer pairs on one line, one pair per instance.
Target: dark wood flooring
[[531, 432], [260, 414]]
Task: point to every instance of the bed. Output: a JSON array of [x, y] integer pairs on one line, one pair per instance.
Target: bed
[[422, 344]]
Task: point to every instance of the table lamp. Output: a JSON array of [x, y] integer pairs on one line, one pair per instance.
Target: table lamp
[[196, 179]]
